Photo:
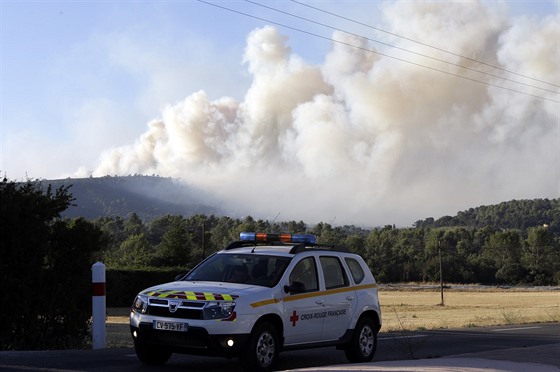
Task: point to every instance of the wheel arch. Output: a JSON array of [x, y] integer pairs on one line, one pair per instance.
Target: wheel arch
[[374, 316], [276, 321]]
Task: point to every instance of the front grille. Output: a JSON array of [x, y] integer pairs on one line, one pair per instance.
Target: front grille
[[185, 310], [182, 313]]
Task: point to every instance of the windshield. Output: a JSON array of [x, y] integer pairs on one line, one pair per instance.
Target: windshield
[[254, 269]]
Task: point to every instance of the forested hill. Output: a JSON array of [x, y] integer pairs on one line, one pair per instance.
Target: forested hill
[[516, 214], [152, 196], [147, 196]]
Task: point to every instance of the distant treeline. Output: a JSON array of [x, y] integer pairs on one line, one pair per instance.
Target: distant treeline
[[147, 222], [515, 214], [499, 253]]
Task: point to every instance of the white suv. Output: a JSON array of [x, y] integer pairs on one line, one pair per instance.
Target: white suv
[[261, 295]]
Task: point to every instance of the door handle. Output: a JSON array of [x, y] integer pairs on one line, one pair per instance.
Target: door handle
[[349, 298], [320, 302]]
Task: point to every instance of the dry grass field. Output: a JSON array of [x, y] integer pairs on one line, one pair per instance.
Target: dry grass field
[[419, 309], [408, 308]]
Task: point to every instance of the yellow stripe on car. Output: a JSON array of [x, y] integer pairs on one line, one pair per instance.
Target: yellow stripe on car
[[302, 296]]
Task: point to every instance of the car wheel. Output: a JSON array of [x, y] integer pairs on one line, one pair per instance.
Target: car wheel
[[364, 342], [150, 354], [262, 348]]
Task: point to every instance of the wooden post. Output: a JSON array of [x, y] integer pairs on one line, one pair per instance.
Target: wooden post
[[440, 275]]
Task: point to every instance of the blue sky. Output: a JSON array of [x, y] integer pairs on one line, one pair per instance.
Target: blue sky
[[88, 75], [79, 78], [82, 76]]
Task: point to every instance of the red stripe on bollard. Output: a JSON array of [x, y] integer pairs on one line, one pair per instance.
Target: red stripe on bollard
[[98, 289]]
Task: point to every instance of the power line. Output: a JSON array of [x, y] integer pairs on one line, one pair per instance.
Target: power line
[[376, 52], [425, 44], [407, 50]]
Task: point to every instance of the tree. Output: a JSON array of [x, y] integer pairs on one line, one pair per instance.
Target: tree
[[134, 225], [355, 243], [539, 256], [326, 234], [136, 252], [177, 247], [378, 254], [67, 275], [434, 248], [45, 271], [113, 233], [248, 224], [222, 233], [504, 249], [409, 251], [158, 227]]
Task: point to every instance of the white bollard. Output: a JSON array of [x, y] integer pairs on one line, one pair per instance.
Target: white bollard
[[98, 305]]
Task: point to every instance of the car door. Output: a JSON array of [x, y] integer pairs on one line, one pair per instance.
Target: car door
[[303, 304], [339, 298]]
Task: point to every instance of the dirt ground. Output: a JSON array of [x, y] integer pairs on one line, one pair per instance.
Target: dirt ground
[[422, 309]]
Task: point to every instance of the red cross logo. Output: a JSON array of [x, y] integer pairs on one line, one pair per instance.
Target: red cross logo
[[294, 318]]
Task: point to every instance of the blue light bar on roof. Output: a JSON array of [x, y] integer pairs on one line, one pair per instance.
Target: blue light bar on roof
[[284, 238]]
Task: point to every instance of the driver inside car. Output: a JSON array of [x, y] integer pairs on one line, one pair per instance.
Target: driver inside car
[[238, 274]]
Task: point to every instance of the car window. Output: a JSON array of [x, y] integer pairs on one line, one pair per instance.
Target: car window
[[276, 267], [356, 270], [262, 270], [304, 275], [333, 272]]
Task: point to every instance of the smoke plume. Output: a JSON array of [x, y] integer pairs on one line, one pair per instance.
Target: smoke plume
[[368, 139]]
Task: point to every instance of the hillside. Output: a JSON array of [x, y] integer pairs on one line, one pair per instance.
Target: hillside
[[147, 196], [514, 214], [153, 196]]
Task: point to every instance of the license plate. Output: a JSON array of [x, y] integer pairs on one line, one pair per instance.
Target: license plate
[[170, 326]]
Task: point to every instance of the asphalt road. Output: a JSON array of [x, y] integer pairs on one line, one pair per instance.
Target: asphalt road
[[491, 342]]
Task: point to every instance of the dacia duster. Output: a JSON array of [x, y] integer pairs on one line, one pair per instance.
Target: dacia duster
[[261, 295]]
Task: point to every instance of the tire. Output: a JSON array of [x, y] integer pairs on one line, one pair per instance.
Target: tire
[[364, 342], [151, 355], [262, 348]]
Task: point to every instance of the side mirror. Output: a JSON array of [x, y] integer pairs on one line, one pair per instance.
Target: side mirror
[[296, 287], [181, 276]]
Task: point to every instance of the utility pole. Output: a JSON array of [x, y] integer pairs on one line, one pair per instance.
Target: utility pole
[[440, 274], [203, 236]]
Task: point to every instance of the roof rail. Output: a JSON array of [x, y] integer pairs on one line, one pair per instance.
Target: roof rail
[[318, 247]]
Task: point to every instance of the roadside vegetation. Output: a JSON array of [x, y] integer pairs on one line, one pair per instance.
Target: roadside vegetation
[[45, 275]]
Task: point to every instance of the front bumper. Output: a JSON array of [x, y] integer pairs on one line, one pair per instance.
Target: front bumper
[[196, 340]]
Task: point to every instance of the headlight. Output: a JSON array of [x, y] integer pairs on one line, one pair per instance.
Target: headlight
[[140, 304], [218, 310]]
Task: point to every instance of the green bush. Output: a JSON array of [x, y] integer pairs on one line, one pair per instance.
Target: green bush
[[45, 275]]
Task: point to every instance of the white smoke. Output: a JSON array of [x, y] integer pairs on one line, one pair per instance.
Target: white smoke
[[368, 139]]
